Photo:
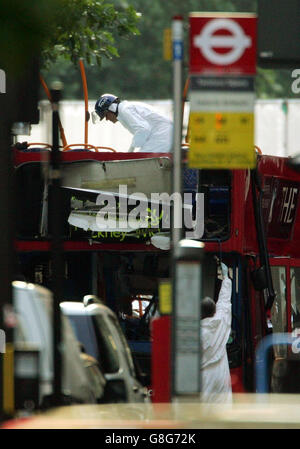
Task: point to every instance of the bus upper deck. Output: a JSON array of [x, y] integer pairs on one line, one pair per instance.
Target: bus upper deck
[[229, 212]]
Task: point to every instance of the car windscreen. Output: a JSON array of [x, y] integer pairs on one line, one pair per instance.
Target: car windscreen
[[123, 344], [109, 359], [84, 331]]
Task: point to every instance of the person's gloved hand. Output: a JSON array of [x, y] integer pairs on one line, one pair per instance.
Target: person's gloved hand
[[224, 269]]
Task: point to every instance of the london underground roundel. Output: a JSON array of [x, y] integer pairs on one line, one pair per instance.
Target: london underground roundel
[[223, 44]]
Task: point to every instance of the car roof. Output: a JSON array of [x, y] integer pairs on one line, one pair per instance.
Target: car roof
[[78, 308]]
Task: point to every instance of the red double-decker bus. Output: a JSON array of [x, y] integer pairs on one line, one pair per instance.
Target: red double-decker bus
[[252, 223]]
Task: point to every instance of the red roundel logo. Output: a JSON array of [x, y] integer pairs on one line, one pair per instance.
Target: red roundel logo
[[223, 45]]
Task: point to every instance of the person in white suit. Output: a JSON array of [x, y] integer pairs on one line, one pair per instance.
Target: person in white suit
[[152, 132], [215, 331]]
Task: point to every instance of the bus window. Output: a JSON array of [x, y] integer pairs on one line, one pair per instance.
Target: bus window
[[278, 311], [216, 186], [286, 368], [109, 360], [210, 284]]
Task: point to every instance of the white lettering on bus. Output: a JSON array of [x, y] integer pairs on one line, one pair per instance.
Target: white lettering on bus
[[289, 204]]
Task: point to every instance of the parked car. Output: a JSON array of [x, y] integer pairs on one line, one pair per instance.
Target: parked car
[[97, 328], [33, 307], [95, 375]]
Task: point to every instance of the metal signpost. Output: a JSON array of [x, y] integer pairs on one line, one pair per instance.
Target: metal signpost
[[186, 318], [177, 41], [222, 69], [222, 66]]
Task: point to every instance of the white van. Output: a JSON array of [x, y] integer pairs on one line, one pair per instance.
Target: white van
[[33, 306]]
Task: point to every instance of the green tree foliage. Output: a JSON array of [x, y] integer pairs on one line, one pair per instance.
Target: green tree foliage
[[140, 71], [88, 29]]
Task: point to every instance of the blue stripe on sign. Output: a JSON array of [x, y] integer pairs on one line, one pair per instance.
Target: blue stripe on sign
[[177, 50]]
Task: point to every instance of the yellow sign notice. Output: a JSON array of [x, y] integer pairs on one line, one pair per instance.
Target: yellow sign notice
[[167, 44], [221, 124], [165, 297], [221, 140]]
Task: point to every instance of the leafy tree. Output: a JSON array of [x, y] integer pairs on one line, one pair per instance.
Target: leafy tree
[[140, 72], [87, 29]]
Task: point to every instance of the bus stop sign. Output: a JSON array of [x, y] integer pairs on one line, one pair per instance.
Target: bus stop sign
[[222, 43]]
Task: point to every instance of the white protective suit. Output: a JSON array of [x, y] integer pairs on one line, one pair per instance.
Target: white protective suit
[[152, 132], [215, 331]]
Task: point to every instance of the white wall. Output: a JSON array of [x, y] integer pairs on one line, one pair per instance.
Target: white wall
[[276, 132], [72, 119]]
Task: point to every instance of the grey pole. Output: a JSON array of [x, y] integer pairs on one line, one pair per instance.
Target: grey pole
[[177, 46], [186, 321], [55, 216], [177, 42]]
